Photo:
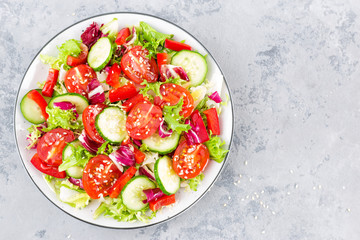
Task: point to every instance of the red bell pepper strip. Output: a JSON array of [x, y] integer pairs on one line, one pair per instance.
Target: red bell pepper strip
[[50, 83], [81, 59], [121, 93], [47, 169], [40, 101], [113, 79], [139, 156], [131, 102], [122, 36], [160, 202], [213, 121], [200, 128], [176, 46], [162, 58], [121, 181]]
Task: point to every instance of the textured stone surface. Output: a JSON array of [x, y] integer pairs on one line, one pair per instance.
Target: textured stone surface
[[293, 67]]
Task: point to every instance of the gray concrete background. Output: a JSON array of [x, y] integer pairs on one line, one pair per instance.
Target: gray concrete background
[[293, 68]]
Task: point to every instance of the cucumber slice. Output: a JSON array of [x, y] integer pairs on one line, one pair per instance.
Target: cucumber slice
[[193, 63], [110, 124], [168, 180], [78, 100], [31, 110], [132, 194], [100, 54], [75, 171], [162, 145]]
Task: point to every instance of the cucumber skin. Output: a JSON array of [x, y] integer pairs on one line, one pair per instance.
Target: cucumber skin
[[75, 143], [100, 132], [51, 103], [192, 52], [22, 108], [158, 180], [126, 185], [163, 152], [96, 69]]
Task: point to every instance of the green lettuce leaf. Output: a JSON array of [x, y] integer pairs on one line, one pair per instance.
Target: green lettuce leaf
[[151, 39], [71, 194], [217, 153], [105, 148], [62, 118], [194, 182], [80, 157], [34, 136], [173, 119], [111, 28], [114, 208], [70, 47]]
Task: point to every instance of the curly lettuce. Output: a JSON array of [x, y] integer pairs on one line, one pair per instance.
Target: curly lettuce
[[214, 145], [62, 118], [173, 118], [70, 47], [71, 194], [114, 208]]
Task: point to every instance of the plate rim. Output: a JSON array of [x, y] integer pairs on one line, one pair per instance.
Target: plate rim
[[151, 224]]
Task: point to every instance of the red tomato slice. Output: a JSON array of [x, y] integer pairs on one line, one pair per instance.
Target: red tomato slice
[[99, 175], [88, 117], [143, 120], [81, 59], [51, 145], [138, 67], [190, 161], [47, 169], [131, 102], [171, 95], [78, 78]]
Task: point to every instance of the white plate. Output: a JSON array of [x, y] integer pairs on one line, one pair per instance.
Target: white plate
[[38, 71]]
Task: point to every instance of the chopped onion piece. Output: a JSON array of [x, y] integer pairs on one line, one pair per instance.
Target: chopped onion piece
[[152, 194], [66, 106], [137, 142], [215, 97], [163, 129], [77, 182], [96, 92], [144, 170], [170, 71], [124, 156], [88, 144]]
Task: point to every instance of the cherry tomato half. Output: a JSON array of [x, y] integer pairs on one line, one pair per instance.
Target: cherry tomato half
[[81, 59], [143, 120], [51, 145], [78, 78], [138, 67], [88, 117], [171, 95], [190, 161], [99, 175]]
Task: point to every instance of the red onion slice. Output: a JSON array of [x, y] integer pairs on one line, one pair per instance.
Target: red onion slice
[[170, 71], [77, 182], [95, 92], [163, 130], [88, 144], [153, 194], [137, 142], [215, 97], [123, 155], [144, 170], [66, 106]]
